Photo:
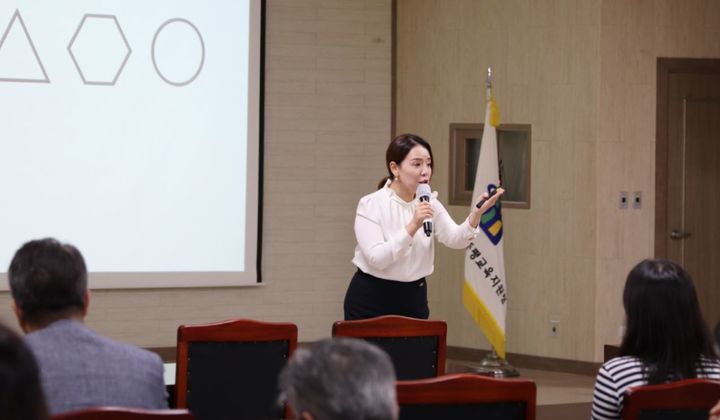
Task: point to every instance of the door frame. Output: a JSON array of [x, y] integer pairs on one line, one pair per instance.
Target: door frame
[[666, 67]]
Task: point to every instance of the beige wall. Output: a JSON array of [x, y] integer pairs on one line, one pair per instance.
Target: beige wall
[[327, 123], [634, 34], [583, 74], [546, 66]]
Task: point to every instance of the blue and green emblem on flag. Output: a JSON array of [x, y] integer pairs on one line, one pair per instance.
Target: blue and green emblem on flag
[[491, 220]]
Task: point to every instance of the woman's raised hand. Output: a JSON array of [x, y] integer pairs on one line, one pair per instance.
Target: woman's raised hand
[[476, 213]]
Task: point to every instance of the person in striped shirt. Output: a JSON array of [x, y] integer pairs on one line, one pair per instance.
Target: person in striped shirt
[[666, 338]]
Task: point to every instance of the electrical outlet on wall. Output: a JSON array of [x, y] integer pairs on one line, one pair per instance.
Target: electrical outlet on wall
[[554, 328]]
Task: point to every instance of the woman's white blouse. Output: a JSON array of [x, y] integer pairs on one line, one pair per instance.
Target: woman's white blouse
[[385, 249]]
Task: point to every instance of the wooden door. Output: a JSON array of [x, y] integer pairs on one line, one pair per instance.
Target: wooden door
[[687, 228]]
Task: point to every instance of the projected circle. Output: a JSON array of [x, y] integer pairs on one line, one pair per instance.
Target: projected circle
[[178, 52]]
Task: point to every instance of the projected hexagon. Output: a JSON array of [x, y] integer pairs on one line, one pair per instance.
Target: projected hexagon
[[99, 49]]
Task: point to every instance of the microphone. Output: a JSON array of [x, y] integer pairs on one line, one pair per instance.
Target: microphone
[[423, 194]]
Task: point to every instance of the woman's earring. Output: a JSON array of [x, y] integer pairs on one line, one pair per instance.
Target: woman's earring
[[397, 177]]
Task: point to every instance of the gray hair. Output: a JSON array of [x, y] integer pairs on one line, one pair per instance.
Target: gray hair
[[341, 378]]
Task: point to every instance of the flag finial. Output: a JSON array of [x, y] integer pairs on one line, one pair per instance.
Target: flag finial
[[488, 84]]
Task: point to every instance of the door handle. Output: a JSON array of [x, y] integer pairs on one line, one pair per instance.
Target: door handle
[[677, 235]]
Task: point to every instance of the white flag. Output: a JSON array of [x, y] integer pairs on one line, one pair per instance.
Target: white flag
[[485, 293]]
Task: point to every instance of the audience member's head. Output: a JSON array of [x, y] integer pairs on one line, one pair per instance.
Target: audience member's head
[[48, 281], [21, 396], [340, 379], [665, 327]]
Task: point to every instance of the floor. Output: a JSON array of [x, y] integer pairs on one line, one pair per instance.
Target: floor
[[560, 396]]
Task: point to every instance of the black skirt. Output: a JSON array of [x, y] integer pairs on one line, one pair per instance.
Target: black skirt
[[369, 296]]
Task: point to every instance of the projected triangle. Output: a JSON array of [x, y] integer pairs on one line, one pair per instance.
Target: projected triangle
[[19, 61]]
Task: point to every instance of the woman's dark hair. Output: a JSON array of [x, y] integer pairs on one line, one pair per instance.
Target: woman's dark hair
[[665, 328], [398, 150], [21, 395]]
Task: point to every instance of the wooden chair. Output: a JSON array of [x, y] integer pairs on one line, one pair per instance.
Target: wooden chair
[[416, 346], [230, 369], [687, 400], [466, 396], [120, 413]]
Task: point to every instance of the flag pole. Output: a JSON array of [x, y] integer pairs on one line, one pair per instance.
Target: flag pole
[[492, 364]]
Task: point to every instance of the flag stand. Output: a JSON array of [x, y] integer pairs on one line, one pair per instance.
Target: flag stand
[[486, 276], [494, 365]]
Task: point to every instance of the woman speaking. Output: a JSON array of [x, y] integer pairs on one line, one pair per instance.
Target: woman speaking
[[394, 231]]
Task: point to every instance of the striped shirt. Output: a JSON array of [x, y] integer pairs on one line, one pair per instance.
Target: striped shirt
[[617, 375]]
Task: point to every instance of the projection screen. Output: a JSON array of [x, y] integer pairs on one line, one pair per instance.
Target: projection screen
[[132, 129]]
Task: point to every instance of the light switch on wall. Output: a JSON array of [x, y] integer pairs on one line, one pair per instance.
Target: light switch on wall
[[623, 203], [637, 199]]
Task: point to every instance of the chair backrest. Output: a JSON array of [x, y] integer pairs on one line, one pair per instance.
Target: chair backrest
[[230, 369], [467, 396], [689, 399], [120, 413], [416, 346]]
